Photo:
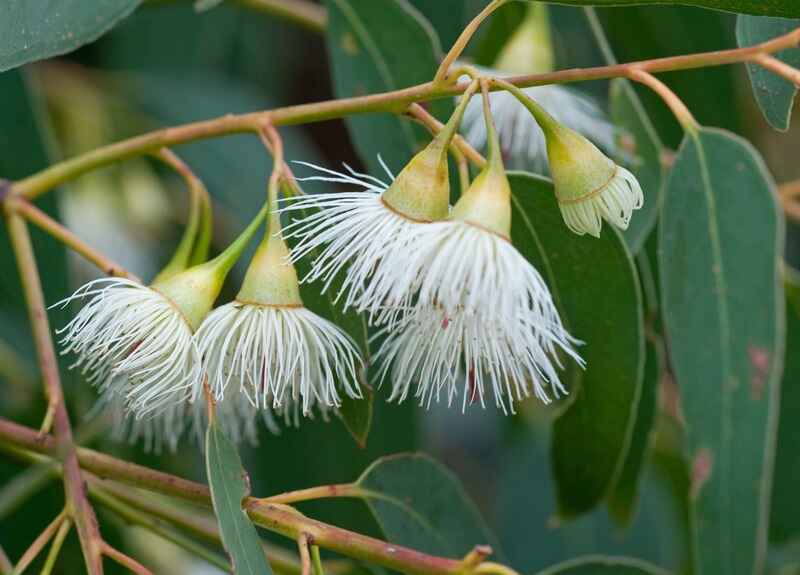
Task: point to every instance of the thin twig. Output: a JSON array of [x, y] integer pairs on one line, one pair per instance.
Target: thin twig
[[305, 555], [316, 561], [127, 562], [395, 102], [277, 518], [44, 222], [435, 126], [5, 563], [779, 67], [55, 548], [194, 523], [77, 504], [134, 517], [670, 98], [39, 543]]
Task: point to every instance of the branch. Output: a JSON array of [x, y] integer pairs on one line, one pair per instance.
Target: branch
[[396, 102], [39, 543], [127, 562], [44, 222], [274, 517], [77, 505]]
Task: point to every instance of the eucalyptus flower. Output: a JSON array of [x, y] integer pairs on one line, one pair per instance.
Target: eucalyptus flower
[[521, 138], [590, 187], [361, 231], [441, 356], [267, 347], [136, 342]]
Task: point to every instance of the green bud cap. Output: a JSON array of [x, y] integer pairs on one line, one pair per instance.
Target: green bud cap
[[271, 279], [487, 202], [422, 190], [193, 292], [579, 169]]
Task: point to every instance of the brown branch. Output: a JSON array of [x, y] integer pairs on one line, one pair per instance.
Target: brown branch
[[395, 102], [274, 517], [435, 126], [305, 554], [778, 67], [127, 562], [41, 220], [39, 543], [77, 504], [670, 98]]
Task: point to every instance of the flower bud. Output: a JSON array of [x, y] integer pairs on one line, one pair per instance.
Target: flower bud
[[271, 279], [421, 190], [589, 186], [193, 292]]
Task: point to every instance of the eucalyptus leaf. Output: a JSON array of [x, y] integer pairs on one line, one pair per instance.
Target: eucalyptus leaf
[[784, 519], [722, 301], [642, 149], [419, 503], [375, 47], [623, 499], [597, 565], [32, 30], [784, 8], [229, 485], [594, 285], [774, 94]]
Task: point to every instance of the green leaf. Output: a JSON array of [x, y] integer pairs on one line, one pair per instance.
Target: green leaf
[[23, 151], [720, 247], [419, 503], [623, 499], [594, 285], [597, 565], [643, 146], [784, 519], [774, 94], [784, 8], [448, 17], [32, 30], [229, 485], [379, 46]]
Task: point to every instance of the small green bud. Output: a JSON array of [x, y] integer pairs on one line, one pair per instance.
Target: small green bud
[[193, 292], [271, 279], [487, 202], [422, 190]]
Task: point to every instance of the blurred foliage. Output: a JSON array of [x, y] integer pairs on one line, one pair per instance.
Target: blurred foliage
[[167, 64]]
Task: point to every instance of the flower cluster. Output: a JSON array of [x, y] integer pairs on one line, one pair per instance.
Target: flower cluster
[[459, 313]]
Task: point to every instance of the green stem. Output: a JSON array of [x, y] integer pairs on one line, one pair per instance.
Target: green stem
[[277, 518], [55, 547], [134, 517], [545, 120], [495, 158], [226, 260], [396, 102], [464, 38], [316, 561]]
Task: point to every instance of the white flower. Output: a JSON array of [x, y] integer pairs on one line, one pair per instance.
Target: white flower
[[613, 201], [521, 137], [352, 231], [589, 186], [278, 357], [467, 352], [133, 342], [458, 265]]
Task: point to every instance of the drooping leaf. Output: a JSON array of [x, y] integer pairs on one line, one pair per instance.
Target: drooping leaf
[[379, 46], [642, 149], [32, 30], [784, 519], [603, 566], [774, 94], [783, 8], [594, 285], [623, 499], [229, 485], [419, 503], [723, 311]]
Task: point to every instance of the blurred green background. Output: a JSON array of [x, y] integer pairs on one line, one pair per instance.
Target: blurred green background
[[167, 64]]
